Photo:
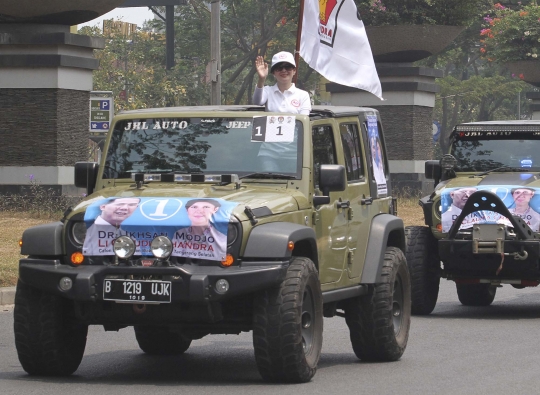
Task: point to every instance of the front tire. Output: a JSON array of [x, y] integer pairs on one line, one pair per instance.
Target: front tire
[[160, 340], [49, 339], [476, 294], [379, 321], [424, 268], [288, 325]]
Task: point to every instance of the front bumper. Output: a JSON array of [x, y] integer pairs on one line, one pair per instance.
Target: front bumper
[[189, 283], [460, 260], [490, 250]]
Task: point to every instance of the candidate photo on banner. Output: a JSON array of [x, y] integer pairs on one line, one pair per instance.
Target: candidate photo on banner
[[201, 239], [523, 202], [196, 226], [104, 228], [376, 155]]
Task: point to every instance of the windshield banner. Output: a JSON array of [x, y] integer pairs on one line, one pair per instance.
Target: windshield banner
[[521, 201], [197, 227]]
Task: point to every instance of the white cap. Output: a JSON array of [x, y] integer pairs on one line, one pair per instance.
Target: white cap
[[282, 57]]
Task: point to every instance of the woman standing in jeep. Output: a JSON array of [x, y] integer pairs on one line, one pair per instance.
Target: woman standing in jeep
[[284, 96]]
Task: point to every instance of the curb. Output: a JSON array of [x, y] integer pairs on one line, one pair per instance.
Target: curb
[[7, 295]]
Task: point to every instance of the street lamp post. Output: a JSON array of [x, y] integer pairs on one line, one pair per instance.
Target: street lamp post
[[215, 53], [169, 35]]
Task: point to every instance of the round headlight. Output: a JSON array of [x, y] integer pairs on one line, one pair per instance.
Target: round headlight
[[124, 247], [161, 247], [78, 231], [232, 234]]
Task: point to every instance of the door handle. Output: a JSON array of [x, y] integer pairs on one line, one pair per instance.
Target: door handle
[[367, 201], [345, 204]]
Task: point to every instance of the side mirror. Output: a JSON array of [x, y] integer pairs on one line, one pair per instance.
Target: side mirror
[[432, 169], [86, 175], [331, 178]]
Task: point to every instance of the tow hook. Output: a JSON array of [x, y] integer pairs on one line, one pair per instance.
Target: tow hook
[[519, 256]]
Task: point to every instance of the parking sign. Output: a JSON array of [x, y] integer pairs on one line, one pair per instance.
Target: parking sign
[[101, 113]]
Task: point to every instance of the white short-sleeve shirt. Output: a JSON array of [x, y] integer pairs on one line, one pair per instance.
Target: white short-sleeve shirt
[[293, 100]]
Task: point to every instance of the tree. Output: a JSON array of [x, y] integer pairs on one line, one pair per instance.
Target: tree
[[136, 64], [472, 88]]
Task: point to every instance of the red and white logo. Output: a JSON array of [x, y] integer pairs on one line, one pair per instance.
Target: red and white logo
[[328, 12], [295, 103], [325, 9]]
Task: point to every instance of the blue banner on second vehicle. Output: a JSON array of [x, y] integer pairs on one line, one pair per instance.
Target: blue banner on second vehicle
[[521, 201]]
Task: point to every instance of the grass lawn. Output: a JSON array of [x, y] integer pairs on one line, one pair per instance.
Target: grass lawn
[[13, 225]]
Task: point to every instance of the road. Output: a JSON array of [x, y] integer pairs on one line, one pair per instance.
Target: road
[[455, 350]]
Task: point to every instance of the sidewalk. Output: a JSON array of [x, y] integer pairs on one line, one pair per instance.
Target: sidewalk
[[7, 295]]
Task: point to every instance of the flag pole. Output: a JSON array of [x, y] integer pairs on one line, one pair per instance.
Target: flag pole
[[298, 38]]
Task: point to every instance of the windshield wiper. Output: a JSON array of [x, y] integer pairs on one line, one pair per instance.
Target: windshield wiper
[[269, 175], [502, 168], [195, 170], [156, 170]]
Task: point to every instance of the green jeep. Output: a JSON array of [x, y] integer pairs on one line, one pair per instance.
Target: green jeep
[[482, 218], [222, 220]]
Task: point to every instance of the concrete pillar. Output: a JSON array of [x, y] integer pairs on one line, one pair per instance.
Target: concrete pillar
[[45, 84], [407, 117], [535, 106]]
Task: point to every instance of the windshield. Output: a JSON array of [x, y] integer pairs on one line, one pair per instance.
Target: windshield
[[200, 145], [483, 155]]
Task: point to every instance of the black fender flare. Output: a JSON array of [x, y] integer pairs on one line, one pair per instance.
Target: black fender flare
[[427, 207], [270, 241], [386, 231], [43, 240]]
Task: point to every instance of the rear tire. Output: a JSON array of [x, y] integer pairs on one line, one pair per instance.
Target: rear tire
[[49, 339], [160, 340], [476, 294], [288, 325], [424, 268], [379, 321]]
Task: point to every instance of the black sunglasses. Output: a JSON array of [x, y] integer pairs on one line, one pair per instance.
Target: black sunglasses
[[281, 66]]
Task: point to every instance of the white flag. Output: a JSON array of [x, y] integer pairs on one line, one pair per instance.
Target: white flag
[[335, 44]]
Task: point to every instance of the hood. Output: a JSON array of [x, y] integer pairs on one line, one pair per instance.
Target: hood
[[495, 179], [518, 179], [271, 199], [194, 218]]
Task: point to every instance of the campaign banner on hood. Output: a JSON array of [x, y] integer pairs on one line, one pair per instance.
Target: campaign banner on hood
[[521, 201], [197, 227]]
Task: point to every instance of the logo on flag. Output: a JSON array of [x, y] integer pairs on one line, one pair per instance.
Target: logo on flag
[[328, 20], [325, 9]]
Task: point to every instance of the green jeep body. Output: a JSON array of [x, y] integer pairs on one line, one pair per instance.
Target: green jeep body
[[313, 234], [492, 239]]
